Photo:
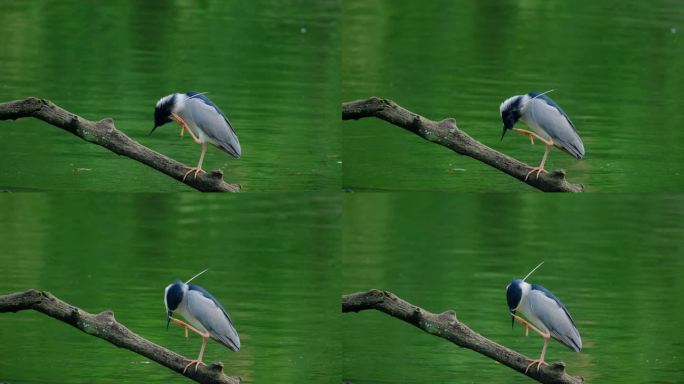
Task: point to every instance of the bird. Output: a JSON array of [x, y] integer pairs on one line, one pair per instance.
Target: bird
[[545, 312], [206, 315], [550, 123], [203, 120]]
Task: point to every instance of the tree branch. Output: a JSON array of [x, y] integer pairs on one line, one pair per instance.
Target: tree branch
[[103, 133], [445, 325], [104, 326], [447, 134]]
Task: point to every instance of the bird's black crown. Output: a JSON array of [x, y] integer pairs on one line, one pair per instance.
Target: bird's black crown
[[514, 294], [162, 112], [174, 295], [511, 114]]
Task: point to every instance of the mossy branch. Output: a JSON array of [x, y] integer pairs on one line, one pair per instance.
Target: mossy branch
[[447, 326], [105, 134], [447, 134], [104, 326]]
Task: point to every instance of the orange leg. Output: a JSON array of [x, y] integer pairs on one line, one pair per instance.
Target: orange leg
[[531, 134], [197, 362], [548, 143], [540, 168], [546, 337], [541, 361], [185, 127], [197, 169], [187, 326], [528, 326]]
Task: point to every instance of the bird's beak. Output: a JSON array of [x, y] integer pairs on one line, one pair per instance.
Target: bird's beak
[[168, 319], [512, 319], [155, 127], [503, 133]]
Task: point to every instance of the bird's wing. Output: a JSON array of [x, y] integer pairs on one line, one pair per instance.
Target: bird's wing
[[557, 124], [555, 317], [211, 314], [210, 119]]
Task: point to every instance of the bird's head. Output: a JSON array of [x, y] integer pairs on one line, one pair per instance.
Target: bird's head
[[510, 112], [514, 293], [163, 110], [173, 295]]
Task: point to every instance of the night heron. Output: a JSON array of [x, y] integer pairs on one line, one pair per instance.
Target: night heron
[[550, 123], [548, 316], [206, 316], [203, 120]]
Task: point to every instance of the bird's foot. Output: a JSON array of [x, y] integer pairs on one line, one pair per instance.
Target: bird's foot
[[195, 362], [525, 325], [187, 327], [538, 362], [525, 132], [194, 169], [535, 169], [182, 324]]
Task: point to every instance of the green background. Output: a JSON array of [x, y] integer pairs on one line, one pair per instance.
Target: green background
[[615, 262], [616, 68], [273, 263], [272, 66]]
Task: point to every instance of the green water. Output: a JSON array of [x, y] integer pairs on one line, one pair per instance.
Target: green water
[[616, 68], [279, 260], [279, 285], [616, 263], [272, 66]]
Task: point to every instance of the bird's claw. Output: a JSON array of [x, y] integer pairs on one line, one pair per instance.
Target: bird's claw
[[196, 362], [196, 170], [538, 362], [538, 170], [526, 133]]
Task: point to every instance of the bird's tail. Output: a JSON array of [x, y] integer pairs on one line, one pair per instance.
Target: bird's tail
[[230, 340]]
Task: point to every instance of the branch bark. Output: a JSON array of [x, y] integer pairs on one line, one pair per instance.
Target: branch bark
[[103, 133], [447, 134], [447, 326], [104, 326]]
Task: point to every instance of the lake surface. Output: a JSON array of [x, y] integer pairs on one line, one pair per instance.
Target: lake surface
[[615, 67], [279, 285], [272, 66], [616, 264]]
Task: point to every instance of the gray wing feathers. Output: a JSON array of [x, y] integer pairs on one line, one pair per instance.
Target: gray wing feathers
[[556, 319], [215, 125], [214, 319], [558, 126]]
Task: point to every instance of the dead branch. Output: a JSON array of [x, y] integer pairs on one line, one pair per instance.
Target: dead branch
[[447, 134], [447, 326], [103, 133], [104, 326]]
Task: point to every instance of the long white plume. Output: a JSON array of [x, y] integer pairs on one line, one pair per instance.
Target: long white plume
[[193, 96], [535, 268], [192, 278], [543, 93]]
